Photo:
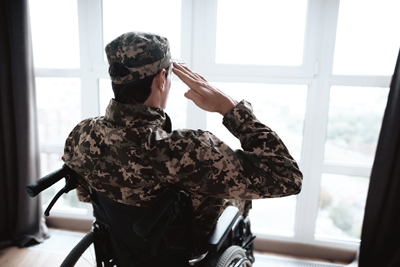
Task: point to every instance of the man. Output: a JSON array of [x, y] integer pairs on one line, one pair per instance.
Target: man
[[130, 154]]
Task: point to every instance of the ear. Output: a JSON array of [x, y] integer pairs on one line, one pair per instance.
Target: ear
[[159, 79]]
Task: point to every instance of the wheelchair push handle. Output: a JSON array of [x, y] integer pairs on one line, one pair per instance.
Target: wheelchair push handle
[[46, 181]]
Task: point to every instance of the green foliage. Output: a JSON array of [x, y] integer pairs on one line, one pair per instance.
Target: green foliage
[[325, 199], [342, 216], [354, 129]]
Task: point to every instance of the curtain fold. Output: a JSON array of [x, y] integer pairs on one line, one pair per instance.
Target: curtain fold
[[380, 238], [21, 218]]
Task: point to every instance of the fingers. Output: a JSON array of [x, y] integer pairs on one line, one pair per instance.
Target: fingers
[[203, 94], [193, 80], [179, 71], [201, 77], [193, 74], [184, 72], [193, 95]]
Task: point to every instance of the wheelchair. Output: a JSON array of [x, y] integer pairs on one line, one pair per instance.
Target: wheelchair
[[162, 235]]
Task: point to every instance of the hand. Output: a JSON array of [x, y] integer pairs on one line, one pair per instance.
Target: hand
[[203, 94]]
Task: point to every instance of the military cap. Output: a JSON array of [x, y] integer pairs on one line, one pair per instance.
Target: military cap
[[142, 53]]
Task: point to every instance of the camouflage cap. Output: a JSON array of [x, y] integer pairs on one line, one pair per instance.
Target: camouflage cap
[[143, 54]]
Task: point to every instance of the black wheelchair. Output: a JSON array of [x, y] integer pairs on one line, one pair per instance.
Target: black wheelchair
[[162, 235]]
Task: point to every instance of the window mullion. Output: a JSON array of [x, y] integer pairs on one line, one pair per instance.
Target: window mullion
[[88, 15], [196, 53], [364, 81], [312, 33], [347, 170], [187, 33], [199, 43], [316, 122]]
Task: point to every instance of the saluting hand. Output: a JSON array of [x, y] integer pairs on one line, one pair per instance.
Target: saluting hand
[[202, 93]]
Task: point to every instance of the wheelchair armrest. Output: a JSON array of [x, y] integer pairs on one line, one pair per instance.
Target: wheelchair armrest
[[223, 227]]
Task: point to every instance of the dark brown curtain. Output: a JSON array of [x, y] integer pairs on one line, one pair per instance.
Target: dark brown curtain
[[21, 218], [380, 238]]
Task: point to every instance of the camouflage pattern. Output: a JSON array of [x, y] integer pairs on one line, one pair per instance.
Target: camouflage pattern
[[129, 155], [144, 54]]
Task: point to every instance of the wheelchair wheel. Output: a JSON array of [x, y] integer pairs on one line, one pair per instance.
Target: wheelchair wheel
[[77, 252], [234, 256]]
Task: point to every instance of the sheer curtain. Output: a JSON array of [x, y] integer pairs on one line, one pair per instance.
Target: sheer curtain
[[380, 239], [21, 219]]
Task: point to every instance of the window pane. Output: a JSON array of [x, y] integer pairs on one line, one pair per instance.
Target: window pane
[[281, 107], [157, 16], [59, 108], [367, 39], [105, 94], [260, 32], [341, 208], [355, 118], [176, 105], [55, 33], [274, 216]]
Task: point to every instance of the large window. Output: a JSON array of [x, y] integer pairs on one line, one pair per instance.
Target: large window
[[316, 71]]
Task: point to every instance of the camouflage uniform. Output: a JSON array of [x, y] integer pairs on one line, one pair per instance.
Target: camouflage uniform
[[131, 154]]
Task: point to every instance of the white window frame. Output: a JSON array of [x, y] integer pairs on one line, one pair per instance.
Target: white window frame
[[198, 36]]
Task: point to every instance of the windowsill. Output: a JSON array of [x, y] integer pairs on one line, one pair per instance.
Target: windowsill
[[290, 248]]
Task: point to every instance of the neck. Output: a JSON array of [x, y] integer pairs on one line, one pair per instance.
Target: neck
[[155, 99]]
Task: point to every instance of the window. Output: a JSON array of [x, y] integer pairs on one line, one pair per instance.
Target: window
[[278, 39], [366, 45], [354, 119], [51, 40], [164, 18], [317, 72], [340, 206]]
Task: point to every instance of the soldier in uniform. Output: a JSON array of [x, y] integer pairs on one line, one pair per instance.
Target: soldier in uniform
[[131, 153]]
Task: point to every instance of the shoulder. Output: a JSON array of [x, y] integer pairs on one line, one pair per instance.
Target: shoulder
[[82, 129], [86, 124]]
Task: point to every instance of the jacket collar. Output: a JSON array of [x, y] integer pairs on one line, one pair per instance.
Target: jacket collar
[[136, 115]]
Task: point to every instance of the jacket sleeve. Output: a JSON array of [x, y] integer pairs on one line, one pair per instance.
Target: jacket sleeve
[[262, 168]]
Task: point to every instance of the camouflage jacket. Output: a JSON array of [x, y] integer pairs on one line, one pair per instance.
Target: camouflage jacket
[[130, 155]]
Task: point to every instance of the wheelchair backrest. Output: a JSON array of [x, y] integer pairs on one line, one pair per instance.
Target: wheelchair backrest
[[146, 234]]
